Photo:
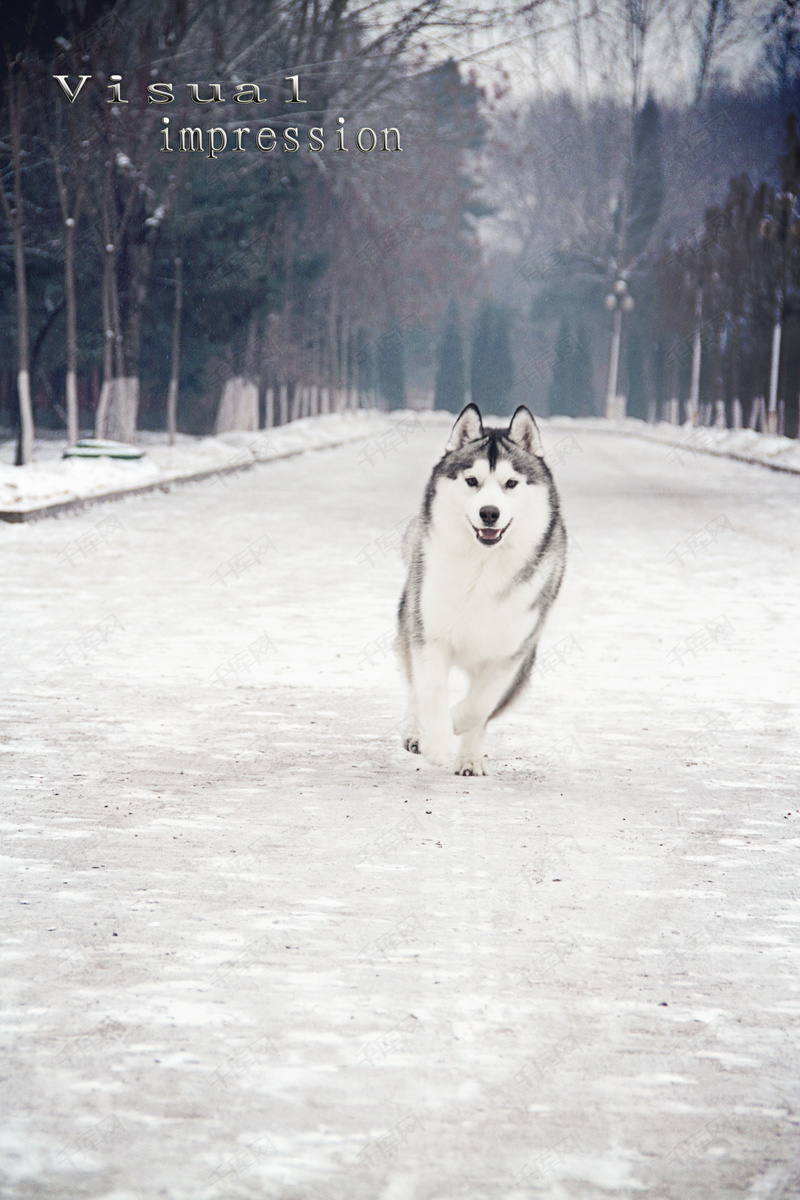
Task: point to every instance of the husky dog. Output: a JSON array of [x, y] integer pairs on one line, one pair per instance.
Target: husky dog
[[485, 560]]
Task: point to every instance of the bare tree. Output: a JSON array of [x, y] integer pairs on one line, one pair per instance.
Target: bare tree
[[174, 375], [13, 209], [71, 211], [781, 34]]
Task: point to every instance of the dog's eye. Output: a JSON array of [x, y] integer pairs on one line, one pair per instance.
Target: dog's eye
[[472, 481], [512, 483]]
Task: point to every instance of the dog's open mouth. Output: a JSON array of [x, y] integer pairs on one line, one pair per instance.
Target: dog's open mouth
[[489, 535]]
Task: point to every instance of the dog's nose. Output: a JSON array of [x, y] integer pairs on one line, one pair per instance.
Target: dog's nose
[[489, 514]]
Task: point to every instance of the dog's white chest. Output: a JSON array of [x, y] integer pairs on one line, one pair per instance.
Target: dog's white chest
[[472, 605]]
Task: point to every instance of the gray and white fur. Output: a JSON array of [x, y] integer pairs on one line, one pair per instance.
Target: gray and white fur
[[485, 558]]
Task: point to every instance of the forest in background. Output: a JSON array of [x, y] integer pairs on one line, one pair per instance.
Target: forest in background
[[551, 152]]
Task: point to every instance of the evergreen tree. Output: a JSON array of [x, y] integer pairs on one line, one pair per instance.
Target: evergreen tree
[[365, 362], [583, 375], [391, 369], [451, 385], [454, 105], [571, 391], [646, 183], [559, 396], [781, 48], [637, 383], [491, 367], [790, 159]]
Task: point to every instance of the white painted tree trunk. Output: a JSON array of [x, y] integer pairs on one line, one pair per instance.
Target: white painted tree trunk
[[102, 408], [172, 394], [73, 431], [25, 416], [238, 406], [772, 412], [694, 388], [72, 408], [123, 408], [172, 408], [14, 216], [612, 406], [758, 415]]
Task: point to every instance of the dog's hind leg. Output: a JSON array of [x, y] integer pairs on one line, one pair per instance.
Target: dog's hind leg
[[411, 728], [410, 723]]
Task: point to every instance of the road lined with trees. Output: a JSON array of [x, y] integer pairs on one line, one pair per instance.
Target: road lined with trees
[[585, 159]]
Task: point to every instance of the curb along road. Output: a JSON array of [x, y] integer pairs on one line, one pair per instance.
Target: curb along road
[[675, 443], [19, 516]]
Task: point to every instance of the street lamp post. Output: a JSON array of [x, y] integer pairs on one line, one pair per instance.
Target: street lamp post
[[617, 302]]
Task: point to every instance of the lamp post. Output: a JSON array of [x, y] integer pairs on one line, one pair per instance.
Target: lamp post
[[617, 302]]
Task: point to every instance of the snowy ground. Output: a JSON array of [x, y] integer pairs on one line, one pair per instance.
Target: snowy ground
[[52, 481], [253, 949], [746, 445]]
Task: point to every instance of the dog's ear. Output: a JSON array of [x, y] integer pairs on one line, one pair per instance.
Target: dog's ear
[[524, 432], [468, 428]]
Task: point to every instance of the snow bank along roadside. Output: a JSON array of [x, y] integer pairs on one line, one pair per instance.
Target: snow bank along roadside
[[745, 445], [53, 485]]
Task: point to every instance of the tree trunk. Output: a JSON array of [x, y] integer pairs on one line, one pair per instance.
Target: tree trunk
[[72, 333], [238, 406], [14, 217], [123, 407], [774, 369], [119, 392], [613, 365], [70, 224], [102, 404], [101, 415], [172, 398], [694, 388]]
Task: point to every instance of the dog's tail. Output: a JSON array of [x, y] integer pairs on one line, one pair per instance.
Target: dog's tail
[[410, 540]]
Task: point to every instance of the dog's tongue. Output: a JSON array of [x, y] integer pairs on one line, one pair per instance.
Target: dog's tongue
[[489, 535]]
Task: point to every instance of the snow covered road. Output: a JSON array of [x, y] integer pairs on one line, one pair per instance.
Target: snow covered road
[[253, 949]]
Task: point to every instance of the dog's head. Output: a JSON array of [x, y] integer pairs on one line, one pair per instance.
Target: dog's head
[[491, 479]]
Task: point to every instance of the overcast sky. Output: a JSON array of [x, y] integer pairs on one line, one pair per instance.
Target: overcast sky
[[540, 54]]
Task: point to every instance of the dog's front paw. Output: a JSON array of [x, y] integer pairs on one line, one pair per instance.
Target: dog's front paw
[[471, 765], [438, 752]]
